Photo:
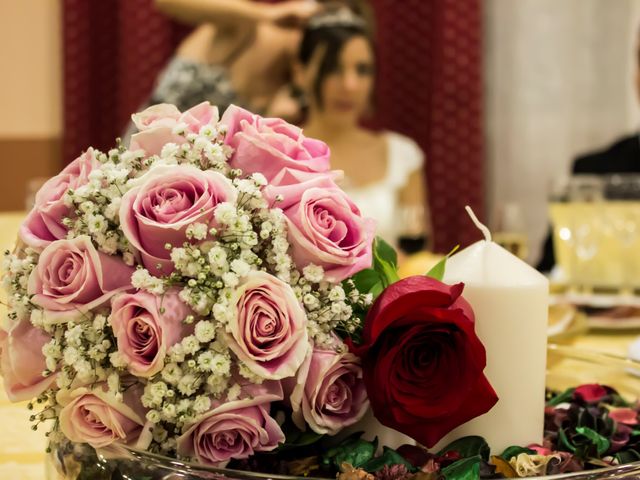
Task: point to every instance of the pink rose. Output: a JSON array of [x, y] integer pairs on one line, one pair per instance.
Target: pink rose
[[199, 116], [330, 393], [157, 122], [291, 184], [268, 333], [165, 202], [161, 115], [235, 429], [145, 326], [72, 277], [22, 361], [325, 226], [96, 417], [43, 224], [267, 145]]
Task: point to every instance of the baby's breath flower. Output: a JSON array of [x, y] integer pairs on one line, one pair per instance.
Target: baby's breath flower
[[313, 273], [190, 344], [201, 404], [205, 331], [234, 392], [171, 373]]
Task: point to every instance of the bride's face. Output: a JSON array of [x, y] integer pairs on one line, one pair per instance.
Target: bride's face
[[346, 92]]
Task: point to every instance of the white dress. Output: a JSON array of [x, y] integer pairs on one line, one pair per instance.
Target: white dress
[[380, 200]]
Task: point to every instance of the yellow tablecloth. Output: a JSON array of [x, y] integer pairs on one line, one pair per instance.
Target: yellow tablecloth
[[22, 450]]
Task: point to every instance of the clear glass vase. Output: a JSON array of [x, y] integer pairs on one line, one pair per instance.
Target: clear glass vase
[[567, 367]]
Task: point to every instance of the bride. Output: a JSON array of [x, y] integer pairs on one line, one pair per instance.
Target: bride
[[335, 71]]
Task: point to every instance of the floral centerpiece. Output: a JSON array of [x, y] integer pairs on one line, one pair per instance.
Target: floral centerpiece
[[209, 293]]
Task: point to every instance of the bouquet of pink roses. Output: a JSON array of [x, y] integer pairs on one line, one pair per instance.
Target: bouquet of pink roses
[[194, 295]]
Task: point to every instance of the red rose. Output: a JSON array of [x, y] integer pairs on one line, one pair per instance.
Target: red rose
[[423, 363]]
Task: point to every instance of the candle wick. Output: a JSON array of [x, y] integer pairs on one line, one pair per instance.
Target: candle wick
[[485, 231]]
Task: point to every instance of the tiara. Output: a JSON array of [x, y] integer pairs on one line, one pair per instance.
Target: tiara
[[343, 17]]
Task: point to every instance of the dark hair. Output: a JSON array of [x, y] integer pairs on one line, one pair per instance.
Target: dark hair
[[333, 37]]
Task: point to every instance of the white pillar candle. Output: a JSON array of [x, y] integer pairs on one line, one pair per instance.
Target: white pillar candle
[[510, 302]]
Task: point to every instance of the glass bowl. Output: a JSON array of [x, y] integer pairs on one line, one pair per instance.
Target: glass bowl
[[567, 367]]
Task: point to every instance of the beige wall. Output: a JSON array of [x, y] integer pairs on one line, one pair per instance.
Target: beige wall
[[31, 55], [30, 95]]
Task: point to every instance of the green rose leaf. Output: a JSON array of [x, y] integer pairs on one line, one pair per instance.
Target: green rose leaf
[[627, 456], [384, 251], [564, 441], [468, 447], [355, 452], [385, 262], [465, 469], [296, 439], [366, 279], [601, 443], [561, 398], [389, 457], [514, 451], [437, 271]]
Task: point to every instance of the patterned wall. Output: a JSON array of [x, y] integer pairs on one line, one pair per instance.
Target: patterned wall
[[429, 87], [113, 50]]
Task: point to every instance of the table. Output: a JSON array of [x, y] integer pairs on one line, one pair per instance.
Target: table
[[22, 450]]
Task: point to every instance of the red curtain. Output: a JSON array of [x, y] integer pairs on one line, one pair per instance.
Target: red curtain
[[429, 87], [113, 51]]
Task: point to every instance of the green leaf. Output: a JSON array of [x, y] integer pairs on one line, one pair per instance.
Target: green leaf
[[601, 443], [465, 469], [618, 401], [297, 439], [366, 279], [561, 398], [385, 262], [376, 290], [514, 451], [385, 252], [354, 452], [564, 441], [627, 456], [437, 271], [468, 447], [389, 457]]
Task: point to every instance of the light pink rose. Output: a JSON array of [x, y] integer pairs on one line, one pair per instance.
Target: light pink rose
[[235, 429], [43, 224], [22, 361], [267, 145], [72, 277], [268, 333], [95, 416], [145, 326], [165, 202], [157, 122], [329, 393], [325, 227], [291, 184], [199, 116], [152, 140], [160, 115]]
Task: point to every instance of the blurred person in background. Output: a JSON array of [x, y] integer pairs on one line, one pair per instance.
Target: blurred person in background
[[621, 157], [240, 52], [335, 71]]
